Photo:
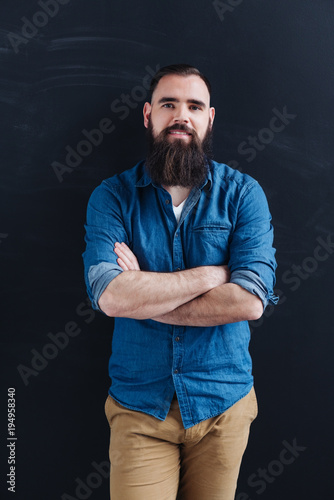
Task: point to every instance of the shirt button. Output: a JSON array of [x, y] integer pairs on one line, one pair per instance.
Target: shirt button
[[176, 235], [177, 339], [167, 202], [178, 269], [176, 371]]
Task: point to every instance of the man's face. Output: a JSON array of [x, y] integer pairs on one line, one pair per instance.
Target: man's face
[[180, 101], [179, 131]]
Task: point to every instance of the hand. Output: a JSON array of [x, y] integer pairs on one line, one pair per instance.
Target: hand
[[126, 258]]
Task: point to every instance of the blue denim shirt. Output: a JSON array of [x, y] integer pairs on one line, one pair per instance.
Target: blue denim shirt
[[226, 221]]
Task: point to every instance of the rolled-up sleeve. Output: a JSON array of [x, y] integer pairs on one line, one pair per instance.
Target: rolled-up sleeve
[[104, 226], [252, 255]]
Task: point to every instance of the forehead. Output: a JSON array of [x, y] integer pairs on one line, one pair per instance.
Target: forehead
[[182, 88]]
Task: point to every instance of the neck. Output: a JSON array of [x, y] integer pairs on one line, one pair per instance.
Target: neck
[[178, 194]]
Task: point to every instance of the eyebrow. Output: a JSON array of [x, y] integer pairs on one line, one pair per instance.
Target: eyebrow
[[173, 99]]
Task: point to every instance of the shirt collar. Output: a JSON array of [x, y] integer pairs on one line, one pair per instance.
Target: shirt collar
[[144, 180]]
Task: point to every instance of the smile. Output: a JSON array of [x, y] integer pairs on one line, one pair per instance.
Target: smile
[[179, 132]]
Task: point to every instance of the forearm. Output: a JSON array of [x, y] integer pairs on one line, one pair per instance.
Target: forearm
[[141, 295], [228, 303]]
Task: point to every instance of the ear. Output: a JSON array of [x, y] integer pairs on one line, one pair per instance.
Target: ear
[[212, 113], [146, 113]]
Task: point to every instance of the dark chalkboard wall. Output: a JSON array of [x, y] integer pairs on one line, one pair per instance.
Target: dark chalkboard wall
[[74, 77]]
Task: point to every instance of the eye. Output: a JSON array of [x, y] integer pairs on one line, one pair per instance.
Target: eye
[[194, 107], [168, 105]]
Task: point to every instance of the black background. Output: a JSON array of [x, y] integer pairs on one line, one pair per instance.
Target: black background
[[260, 55]]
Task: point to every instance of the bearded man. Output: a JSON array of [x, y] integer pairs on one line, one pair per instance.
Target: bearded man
[[179, 252]]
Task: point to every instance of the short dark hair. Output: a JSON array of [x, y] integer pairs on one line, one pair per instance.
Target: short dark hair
[[178, 69]]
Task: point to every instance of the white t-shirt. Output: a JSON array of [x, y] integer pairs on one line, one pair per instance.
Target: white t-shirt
[[178, 210]]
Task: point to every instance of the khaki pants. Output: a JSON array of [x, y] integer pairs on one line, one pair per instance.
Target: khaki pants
[[155, 460]]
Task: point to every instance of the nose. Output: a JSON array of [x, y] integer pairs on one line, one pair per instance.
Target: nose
[[181, 115]]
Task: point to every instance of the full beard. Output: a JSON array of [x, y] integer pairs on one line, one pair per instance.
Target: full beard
[[176, 162]]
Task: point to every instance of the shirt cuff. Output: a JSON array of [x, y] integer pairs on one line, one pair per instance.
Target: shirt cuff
[[251, 282], [99, 277]]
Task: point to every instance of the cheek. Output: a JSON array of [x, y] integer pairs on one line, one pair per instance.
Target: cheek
[[202, 128], [201, 132], [160, 122]]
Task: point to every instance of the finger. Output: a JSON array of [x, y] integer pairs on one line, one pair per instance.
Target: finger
[[119, 252], [127, 253], [129, 260], [122, 264], [122, 247], [131, 256]]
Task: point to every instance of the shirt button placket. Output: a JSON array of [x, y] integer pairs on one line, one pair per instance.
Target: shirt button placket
[[178, 330], [178, 349], [177, 251]]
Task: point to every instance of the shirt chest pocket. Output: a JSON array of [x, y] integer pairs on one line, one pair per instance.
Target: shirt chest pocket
[[210, 244]]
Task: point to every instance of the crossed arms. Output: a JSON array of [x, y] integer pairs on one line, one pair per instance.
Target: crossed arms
[[201, 296]]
